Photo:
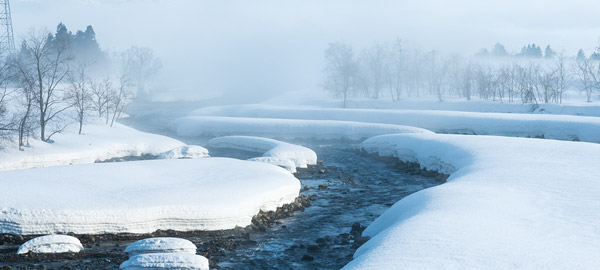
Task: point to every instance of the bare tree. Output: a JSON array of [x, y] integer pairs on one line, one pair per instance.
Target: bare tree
[[373, 64], [42, 67], [6, 123], [340, 70], [78, 95], [584, 73], [100, 92], [394, 69], [141, 65], [121, 97], [563, 77]]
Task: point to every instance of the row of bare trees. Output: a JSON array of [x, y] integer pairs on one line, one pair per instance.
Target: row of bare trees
[[398, 70], [44, 88]]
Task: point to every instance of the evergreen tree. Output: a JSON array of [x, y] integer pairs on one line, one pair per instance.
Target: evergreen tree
[[62, 37], [580, 55], [549, 53], [482, 53], [499, 50]]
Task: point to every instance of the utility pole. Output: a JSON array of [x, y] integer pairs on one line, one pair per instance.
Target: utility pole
[[7, 40]]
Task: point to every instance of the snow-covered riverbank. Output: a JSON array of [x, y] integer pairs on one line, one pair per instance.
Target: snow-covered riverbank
[[509, 203], [99, 142]]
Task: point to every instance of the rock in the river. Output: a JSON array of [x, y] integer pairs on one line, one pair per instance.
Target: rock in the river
[[51, 244], [161, 245], [188, 151], [153, 261]]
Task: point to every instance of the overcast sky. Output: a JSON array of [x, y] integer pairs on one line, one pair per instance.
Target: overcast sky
[[271, 46]]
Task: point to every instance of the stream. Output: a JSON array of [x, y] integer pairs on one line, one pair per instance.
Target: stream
[[347, 191]]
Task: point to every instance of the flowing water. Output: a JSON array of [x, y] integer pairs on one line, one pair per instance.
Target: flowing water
[[348, 191]]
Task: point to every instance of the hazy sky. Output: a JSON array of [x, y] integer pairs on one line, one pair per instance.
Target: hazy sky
[[269, 46]]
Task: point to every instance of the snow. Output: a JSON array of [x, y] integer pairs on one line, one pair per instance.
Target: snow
[[573, 104], [188, 151], [509, 203], [285, 163], [284, 128], [301, 156], [51, 244], [161, 245], [184, 261], [99, 142], [141, 196], [562, 127]]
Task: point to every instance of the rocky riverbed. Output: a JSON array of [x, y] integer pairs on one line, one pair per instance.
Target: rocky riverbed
[[345, 192]]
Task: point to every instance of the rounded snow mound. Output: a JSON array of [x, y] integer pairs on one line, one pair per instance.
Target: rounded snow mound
[[276, 150], [285, 163], [51, 244], [154, 261], [161, 245], [188, 151]]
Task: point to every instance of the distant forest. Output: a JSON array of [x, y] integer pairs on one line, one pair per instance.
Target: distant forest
[[401, 69], [81, 46]]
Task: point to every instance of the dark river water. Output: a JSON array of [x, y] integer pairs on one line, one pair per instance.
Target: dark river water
[[348, 191]]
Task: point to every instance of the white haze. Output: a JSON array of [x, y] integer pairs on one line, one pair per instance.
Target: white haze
[[259, 48]]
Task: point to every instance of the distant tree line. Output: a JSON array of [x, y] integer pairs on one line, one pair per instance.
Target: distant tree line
[[54, 80], [395, 70]]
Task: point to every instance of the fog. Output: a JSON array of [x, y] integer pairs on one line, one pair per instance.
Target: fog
[[261, 48]]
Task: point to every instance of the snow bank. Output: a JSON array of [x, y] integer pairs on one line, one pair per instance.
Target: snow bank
[[301, 156], [284, 128], [562, 127], [161, 245], [285, 163], [141, 196], [99, 142], [509, 203], [188, 151], [155, 261], [51, 244]]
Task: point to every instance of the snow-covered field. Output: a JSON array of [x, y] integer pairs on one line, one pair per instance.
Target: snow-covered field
[[509, 203], [562, 127], [99, 142], [141, 196]]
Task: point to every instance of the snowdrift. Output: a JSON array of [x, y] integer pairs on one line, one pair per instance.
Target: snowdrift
[[141, 196], [99, 142], [274, 152], [561, 127], [284, 128], [509, 203]]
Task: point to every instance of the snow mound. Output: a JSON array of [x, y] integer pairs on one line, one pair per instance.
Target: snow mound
[[509, 203], [212, 126], [188, 151], [285, 163], [560, 127], [141, 196], [153, 261], [51, 244], [301, 156], [100, 142], [161, 245]]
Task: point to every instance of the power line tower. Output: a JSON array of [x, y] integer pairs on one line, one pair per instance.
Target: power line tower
[[7, 40]]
